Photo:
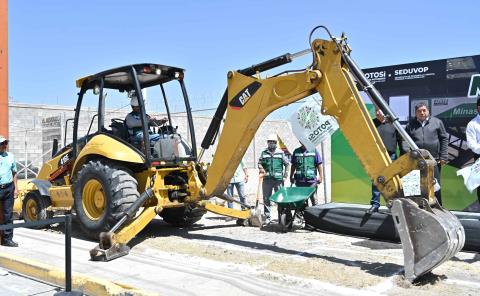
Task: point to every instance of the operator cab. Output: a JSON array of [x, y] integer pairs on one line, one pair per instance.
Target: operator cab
[[105, 99]]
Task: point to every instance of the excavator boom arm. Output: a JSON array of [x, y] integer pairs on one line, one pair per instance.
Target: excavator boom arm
[[251, 99]]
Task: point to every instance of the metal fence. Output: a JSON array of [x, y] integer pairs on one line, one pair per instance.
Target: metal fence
[[67, 219]]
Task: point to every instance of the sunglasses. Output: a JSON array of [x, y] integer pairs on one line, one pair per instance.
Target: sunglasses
[[4, 143]]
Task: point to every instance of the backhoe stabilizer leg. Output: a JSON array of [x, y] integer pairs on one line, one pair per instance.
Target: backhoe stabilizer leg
[[114, 245], [429, 236], [107, 249]]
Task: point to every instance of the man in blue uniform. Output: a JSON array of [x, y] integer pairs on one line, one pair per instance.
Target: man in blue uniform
[[8, 189]]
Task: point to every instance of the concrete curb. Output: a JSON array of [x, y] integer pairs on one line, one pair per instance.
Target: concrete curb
[[80, 282]]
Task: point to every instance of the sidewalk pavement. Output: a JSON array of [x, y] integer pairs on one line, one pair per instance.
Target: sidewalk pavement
[[15, 284], [41, 255]]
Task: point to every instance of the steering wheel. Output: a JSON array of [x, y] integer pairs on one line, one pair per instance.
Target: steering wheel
[[117, 121], [156, 125]]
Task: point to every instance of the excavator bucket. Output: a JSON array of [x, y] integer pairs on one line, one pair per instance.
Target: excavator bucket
[[429, 236]]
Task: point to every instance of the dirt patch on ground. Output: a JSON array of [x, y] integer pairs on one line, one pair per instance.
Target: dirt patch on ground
[[430, 284], [288, 258], [303, 257], [314, 268]]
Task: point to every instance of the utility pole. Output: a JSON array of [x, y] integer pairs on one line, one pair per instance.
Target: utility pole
[[3, 80], [4, 68]]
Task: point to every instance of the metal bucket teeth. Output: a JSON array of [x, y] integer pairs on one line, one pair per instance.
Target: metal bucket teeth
[[429, 236]]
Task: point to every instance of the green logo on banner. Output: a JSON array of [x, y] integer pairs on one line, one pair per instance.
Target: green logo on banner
[[474, 89]]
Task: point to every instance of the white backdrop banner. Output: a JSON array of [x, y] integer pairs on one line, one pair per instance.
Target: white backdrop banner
[[310, 126]]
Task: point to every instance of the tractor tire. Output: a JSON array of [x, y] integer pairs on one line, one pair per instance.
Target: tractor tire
[[182, 217], [34, 208], [102, 192]]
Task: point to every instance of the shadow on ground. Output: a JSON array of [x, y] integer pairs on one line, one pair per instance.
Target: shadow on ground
[[377, 244], [475, 258]]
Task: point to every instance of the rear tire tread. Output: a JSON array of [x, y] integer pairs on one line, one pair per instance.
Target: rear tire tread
[[184, 216]]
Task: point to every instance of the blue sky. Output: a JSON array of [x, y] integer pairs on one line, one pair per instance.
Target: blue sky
[[52, 43]]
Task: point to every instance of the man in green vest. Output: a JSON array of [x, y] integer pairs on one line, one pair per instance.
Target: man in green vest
[[306, 169], [273, 165]]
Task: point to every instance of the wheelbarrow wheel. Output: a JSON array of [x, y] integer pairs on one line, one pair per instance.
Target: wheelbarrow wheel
[[285, 219], [283, 222], [290, 220]]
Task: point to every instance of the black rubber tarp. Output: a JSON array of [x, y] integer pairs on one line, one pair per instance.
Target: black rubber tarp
[[350, 219]]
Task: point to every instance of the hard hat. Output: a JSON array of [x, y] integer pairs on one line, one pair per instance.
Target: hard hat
[[134, 102], [272, 137], [3, 139]]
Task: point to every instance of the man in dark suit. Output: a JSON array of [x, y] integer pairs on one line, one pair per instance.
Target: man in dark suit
[[429, 133]]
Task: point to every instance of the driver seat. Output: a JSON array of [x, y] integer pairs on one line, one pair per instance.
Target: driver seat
[[119, 129]]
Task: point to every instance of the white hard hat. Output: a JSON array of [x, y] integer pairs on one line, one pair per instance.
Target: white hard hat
[[272, 137], [134, 102]]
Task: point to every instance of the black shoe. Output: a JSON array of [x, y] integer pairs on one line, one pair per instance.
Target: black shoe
[[9, 243], [372, 210]]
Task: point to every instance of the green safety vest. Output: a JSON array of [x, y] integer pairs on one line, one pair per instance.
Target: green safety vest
[[272, 164], [305, 165]]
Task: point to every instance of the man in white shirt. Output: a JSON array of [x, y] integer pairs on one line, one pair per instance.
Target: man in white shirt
[[473, 137], [238, 181]]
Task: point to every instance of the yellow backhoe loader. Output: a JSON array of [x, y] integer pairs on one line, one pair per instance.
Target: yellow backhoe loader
[[117, 187]]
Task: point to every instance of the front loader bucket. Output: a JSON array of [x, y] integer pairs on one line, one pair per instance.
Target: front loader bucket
[[429, 236]]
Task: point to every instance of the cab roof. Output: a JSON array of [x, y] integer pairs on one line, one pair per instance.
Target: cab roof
[[119, 78]]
